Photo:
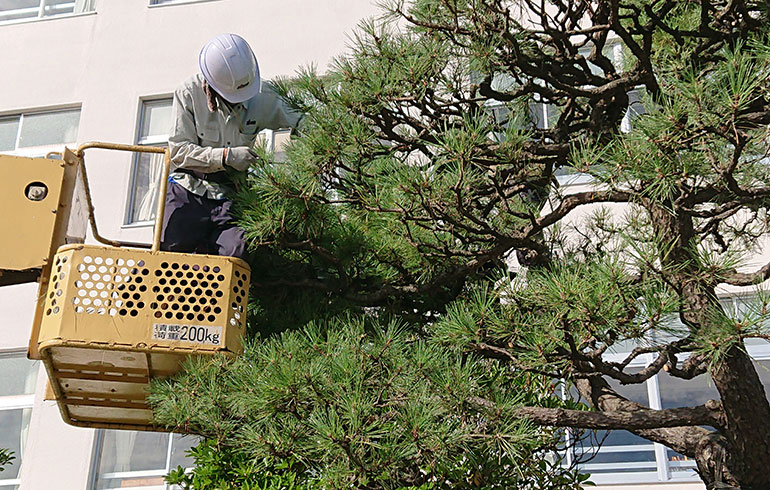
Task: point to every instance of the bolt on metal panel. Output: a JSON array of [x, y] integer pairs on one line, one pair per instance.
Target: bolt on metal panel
[[41, 198]]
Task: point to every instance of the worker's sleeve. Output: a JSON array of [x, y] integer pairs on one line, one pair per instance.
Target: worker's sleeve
[[184, 150], [276, 114]]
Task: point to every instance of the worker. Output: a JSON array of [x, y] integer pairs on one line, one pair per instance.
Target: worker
[[217, 115]]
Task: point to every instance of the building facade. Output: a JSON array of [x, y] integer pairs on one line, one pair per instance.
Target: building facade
[[104, 70]]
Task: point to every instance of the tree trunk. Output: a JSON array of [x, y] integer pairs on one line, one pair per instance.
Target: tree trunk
[[748, 418], [740, 455], [709, 449], [747, 412]]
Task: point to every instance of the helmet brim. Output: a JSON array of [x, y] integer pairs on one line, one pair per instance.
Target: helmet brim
[[240, 95]]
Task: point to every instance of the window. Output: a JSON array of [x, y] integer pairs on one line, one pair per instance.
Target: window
[[541, 115], [36, 133], [139, 460], [16, 10], [620, 451], [677, 392], [612, 50], [17, 388], [617, 457], [155, 122]]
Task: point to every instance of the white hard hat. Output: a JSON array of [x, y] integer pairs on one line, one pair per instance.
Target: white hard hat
[[230, 67]]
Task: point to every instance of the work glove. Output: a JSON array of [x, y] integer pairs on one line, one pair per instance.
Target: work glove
[[240, 157]]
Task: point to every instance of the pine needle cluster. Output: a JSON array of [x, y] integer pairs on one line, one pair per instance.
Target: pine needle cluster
[[364, 404]]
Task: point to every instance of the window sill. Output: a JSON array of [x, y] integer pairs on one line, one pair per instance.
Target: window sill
[[29, 20], [177, 2], [137, 224], [575, 179], [16, 402]]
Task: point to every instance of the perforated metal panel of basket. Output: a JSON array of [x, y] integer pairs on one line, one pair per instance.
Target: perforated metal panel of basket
[[106, 305], [94, 283]]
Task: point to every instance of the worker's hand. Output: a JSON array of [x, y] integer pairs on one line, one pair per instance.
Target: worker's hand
[[240, 157]]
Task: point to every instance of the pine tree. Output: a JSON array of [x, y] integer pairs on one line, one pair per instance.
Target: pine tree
[[391, 346]]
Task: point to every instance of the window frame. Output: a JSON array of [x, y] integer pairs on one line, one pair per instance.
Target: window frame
[[666, 471], [41, 13], [16, 402], [96, 477], [40, 150], [152, 140], [651, 475]]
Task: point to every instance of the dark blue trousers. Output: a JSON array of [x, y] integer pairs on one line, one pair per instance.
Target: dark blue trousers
[[197, 224]]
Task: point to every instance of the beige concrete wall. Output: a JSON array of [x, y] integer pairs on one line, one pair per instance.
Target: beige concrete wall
[[106, 63], [753, 260]]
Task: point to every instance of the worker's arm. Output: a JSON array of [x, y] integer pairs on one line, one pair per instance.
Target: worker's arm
[[184, 150], [272, 112]]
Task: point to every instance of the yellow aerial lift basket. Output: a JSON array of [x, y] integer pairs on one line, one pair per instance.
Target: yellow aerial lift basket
[[112, 318]]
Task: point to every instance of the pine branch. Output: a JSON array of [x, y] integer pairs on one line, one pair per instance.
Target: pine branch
[[707, 414], [570, 202], [748, 278], [683, 439], [692, 367]]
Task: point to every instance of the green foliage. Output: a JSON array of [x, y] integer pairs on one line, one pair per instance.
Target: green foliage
[[572, 308], [218, 467], [363, 204], [360, 403]]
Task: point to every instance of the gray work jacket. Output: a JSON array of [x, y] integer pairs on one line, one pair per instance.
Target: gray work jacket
[[199, 136]]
